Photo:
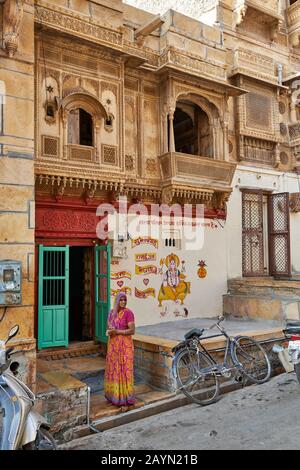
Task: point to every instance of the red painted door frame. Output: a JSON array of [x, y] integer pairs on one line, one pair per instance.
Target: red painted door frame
[[67, 222]]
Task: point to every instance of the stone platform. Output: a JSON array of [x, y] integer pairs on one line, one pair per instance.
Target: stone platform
[[62, 390], [263, 298]]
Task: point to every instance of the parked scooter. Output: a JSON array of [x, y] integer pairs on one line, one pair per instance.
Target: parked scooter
[[290, 356], [22, 427]]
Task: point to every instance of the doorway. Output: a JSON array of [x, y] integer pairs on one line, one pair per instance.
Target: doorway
[[73, 294], [76, 293]]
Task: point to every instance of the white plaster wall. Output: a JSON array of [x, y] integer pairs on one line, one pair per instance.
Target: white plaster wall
[[257, 178], [205, 299], [193, 8]]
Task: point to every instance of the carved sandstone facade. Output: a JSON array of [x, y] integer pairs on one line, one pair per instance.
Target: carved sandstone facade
[[127, 102]]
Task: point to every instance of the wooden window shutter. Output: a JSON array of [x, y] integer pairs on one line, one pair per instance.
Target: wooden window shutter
[[252, 233], [279, 235]]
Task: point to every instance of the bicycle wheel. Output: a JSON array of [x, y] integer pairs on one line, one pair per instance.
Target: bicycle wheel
[[202, 389], [253, 359]]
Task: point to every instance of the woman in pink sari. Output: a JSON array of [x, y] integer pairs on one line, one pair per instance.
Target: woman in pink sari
[[118, 379]]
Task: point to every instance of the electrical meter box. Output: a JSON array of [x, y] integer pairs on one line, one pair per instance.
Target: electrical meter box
[[10, 282]]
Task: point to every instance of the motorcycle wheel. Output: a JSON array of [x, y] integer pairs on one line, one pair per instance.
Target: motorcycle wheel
[[43, 441], [297, 370]]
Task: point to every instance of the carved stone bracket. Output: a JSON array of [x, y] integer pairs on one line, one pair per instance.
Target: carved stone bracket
[[240, 12], [12, 18]]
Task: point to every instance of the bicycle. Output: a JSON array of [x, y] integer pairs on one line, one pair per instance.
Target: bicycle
[[197, 373]]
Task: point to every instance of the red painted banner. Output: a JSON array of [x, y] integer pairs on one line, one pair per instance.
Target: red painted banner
[[143, 294], [149, 269]]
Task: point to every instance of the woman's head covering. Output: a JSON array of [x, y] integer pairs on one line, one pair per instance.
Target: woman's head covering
[[117, 302]]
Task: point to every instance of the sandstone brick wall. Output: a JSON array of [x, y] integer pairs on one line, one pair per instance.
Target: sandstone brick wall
[[17, 183]]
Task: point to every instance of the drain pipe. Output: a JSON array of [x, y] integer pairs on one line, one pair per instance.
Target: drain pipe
[[88, 409]]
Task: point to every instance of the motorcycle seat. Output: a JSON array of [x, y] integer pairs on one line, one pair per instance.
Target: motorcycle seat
[[293, 323], [292, 327]]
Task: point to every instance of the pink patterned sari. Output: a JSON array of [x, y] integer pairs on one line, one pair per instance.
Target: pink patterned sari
[[118, 379]]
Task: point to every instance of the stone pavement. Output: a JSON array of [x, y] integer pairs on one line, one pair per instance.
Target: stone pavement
[[256, 417]]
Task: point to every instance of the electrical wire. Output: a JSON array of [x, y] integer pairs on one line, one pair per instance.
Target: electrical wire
[[4, 313]]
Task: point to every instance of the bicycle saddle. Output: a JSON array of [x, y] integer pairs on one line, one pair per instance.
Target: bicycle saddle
[[194, 332]]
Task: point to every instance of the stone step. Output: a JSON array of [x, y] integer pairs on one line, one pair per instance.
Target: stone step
[[155, 405], [145, 395], [74, 350]]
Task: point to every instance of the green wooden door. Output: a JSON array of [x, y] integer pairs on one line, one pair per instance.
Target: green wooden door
[[102, 291], [53, 312]]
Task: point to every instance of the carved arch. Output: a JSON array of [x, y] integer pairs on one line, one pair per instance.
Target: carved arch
[[85, 101], [218, 131], [204, 103], [93, 107]]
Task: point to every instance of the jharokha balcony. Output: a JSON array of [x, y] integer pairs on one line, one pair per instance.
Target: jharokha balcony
[[196, 178]]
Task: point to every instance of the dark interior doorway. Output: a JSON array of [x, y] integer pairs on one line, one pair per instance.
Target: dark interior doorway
[[76, 293]]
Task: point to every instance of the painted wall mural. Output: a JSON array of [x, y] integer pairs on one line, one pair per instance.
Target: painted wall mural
[[142, 257], [117, 278], [143, 294], [173, 287], [145, 270], [120, 275], [144, 241], [202, 272], [126, 290]]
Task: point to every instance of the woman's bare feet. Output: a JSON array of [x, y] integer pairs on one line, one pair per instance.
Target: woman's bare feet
[[124, 409]]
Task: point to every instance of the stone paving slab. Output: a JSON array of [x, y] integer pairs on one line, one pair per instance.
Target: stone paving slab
[[175, 330], [43, 387], [62, 380]]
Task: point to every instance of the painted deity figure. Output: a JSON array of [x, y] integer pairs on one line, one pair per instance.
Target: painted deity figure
[[174, 287]]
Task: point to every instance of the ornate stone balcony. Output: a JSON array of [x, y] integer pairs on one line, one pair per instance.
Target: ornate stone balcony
[[293, 18], [255, 65], [268, 7], [192, 177], [294, 130], [268, 12]]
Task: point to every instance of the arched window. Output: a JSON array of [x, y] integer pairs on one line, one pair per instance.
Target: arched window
[[192, 131], [80, 128]]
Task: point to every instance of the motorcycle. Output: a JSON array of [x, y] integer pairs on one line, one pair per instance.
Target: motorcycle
[[290, 356], [22, 427]]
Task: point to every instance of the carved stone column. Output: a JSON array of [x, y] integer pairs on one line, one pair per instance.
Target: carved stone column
[[12, 18], [217, 143], [65, 135], [225, 137], [165, 132], [293, 112], [97, 125], [277, 155], [171, 127]]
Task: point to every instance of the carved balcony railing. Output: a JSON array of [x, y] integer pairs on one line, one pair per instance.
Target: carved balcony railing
[[255, 65], [269, 6], [183, 173], [294, 130], [258, 151], [81, 153]]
